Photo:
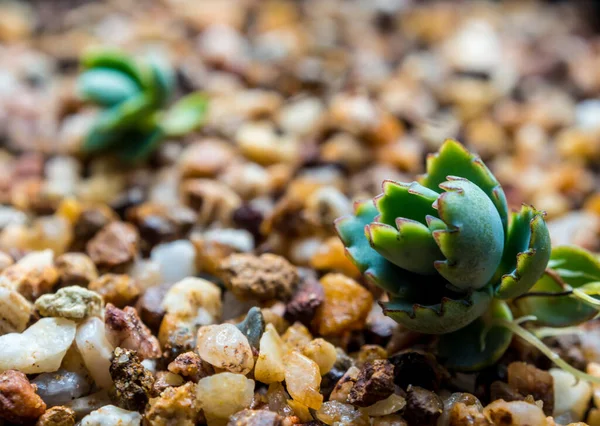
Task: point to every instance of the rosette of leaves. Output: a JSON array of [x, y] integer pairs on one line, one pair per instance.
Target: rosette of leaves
[[134, 96], [448, 253]]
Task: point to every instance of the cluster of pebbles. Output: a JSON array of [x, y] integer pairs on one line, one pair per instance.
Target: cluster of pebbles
[[207, 285]]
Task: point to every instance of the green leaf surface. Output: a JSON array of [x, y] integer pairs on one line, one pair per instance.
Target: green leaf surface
[[383, 273], [453, 159], [106, 86], [186, 115], [162, 78], [114, 122], [462, 349], [411, 246], [139, 146], [474, 241], [444, 315], [408, 200], [526, 253], [574, 266], [117, 61]]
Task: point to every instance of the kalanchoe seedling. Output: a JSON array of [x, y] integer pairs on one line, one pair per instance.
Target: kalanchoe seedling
[[134, 94], [450, 255]]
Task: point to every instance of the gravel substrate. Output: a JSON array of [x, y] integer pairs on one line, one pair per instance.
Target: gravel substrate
[[207, 285]]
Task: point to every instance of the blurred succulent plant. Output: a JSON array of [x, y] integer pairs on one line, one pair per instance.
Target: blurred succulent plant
[[450, 256], [133, 94]]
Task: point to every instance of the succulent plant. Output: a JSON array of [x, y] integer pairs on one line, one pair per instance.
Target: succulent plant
[[447, 252], [133, 95]]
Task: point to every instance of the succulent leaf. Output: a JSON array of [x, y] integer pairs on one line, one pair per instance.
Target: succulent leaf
[[113, 123], [186, 115], [526, 253], [140, 145], [385, 274], [447, 315], [162, 80], [408, 200], [571, 266], [474, 240], [462, 349], [117, 61], [106, 87], [133, 92], [411, 246], [453, 159]]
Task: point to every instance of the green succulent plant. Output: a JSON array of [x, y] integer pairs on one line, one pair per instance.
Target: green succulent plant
[[452, 258], [134, 95]]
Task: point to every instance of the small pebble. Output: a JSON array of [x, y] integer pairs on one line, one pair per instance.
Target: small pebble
[[225, 347]]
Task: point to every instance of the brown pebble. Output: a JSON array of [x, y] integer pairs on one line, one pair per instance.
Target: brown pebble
[[125, 329], [462, 414], [149, 306], [18, 401], [255, 418], [133, 384], [264, 277], [31, 281], [159, 223], [423, 407], [205, 158], [176, 406], [529, 380], [191, 366], [346, 307], [91, 220], [75, 269], [114, 246], [305, 302], [417, 368], [57, 416], [5, 261], [374, 383], [118, 289]]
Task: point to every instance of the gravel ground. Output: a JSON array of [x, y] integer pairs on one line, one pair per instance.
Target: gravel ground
[[206, 285]]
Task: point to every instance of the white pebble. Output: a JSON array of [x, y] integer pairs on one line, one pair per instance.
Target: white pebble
[[571, 398], [176, 260], [269, 364], [147, 273], [239, 239], [194, 297], [301, 117], [110, 415], [224, 394], [39, 349], [61, 387], [95, 350], [37, 259], [225, 347]]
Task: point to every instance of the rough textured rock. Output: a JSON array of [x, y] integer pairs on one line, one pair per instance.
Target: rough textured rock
[[264, 277], [375, 382], [18, 401], [57, 416], [114, 246], [125, 329], [423, 407], [132, 382]]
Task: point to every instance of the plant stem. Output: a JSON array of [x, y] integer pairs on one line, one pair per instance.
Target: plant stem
[[537, 343], [543, 332], [585, 298]]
